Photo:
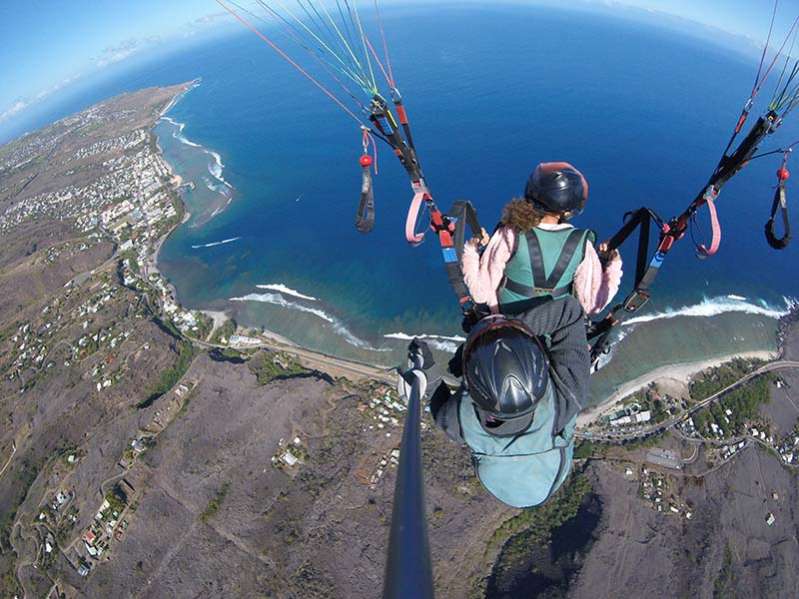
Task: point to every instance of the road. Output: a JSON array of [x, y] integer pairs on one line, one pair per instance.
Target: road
[[314, 360], [11, 457], [661, 427]]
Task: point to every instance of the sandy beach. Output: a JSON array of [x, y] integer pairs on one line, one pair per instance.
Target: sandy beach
[[677, 375]]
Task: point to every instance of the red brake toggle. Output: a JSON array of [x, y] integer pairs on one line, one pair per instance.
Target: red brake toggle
[[366, 161], [783, 174]]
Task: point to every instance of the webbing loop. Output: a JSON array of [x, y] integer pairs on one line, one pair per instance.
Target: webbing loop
[[780, 205]]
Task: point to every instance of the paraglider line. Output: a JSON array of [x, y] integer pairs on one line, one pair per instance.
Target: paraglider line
[[391, 80], [317, 54], [288, 59]]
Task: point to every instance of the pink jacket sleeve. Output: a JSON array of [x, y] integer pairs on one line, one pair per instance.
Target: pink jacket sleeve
[[593, 286], [483, 274]]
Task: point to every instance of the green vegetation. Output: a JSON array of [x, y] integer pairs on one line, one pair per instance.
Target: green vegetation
[[165, 325], [131, 258], [233, 354], [22, 481], [117, 498], [184, 407], [213, 506], [584, 450], [725, 583], [170, 377], [721, 377], [644, 442], [744, 403], [535, 525], [224, 332], [591, 449], [659, 413], [532, 529], [269, 366], [205, 325], [9, 587]]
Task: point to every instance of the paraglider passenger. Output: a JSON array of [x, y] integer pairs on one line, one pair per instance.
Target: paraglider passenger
[[535, 253]]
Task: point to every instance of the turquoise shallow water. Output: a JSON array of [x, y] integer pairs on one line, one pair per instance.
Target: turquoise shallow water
[[620, 101]]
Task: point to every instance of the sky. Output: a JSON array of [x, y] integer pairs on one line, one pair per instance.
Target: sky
[[48, 44]]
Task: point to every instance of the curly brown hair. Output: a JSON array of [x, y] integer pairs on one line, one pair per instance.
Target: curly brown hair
[[521, 216]]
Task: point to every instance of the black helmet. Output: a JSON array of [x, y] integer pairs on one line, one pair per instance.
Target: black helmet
[[507, 373], [557, 187]]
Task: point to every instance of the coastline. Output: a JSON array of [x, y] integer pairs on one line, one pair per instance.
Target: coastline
[[217, 316], [680, 373]]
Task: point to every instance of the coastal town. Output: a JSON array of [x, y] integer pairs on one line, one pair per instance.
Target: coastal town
[[121, 199], [672, 429]]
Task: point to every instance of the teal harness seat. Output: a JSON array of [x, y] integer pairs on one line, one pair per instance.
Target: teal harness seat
[[524, 470], [543, 265]]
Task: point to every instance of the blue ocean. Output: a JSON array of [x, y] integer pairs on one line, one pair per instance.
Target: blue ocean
[[644, 111]]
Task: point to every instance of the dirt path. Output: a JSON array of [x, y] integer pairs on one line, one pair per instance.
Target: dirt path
[[8, 461]]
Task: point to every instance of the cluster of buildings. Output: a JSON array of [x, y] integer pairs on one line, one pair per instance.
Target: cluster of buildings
[[70, 250], [188, 322], [290, 456], [631, 414], [38, 144], [121, 143], [716, 430], [45, 141], [69, 335], [687, 427], [654, 489], [788, 448], [384, 407], [726, 452], [29, 350], [108, 525], [57, 505], [130, 193], [391, 460]]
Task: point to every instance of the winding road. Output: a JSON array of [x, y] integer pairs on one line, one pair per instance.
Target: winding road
[[655, 429]]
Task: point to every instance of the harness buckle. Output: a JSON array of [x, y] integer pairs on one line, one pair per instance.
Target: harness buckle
[[636, 301], [445, 224]]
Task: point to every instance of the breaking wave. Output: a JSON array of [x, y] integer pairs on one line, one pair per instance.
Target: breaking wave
[[215, 165], [439, 342], [710, 307], [178, 134], [215, 243], [338, 326], [280, 288], [707, 308]]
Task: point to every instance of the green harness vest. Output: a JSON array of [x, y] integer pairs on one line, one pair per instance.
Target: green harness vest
[[543, 265]]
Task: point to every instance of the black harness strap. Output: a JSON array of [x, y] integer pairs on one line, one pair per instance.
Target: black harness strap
[[536, 260], [527, 291], [646, 271], [540, 281], [780, 205], [460, 215], [566, 255]]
